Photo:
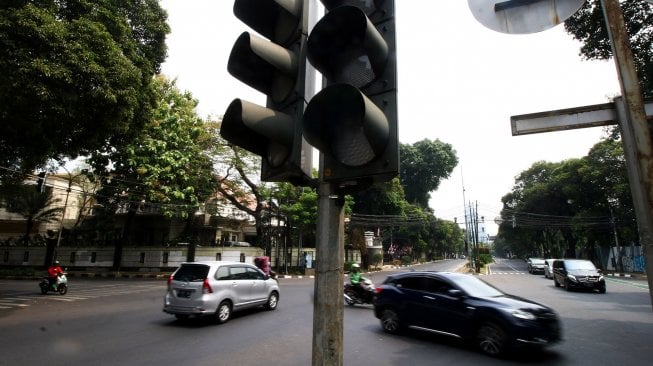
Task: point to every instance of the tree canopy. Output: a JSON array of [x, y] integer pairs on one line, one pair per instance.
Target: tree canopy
[[423, 166], [76, 75], [571, 207], [588, 26], [167, 164]]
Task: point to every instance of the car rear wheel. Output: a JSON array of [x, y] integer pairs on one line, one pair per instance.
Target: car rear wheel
[[224, 312], [390, 321], [491, 339], [273, 301]]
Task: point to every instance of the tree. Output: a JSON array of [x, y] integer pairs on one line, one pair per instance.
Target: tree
[[588, 26], [555, 207], [424, 165], [76, 76], [166, 166], [34, 206]]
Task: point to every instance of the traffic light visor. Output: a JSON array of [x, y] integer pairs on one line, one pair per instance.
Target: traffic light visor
[[265, 66], [277, 20], [342, 120], [346, 47], [261, 130]]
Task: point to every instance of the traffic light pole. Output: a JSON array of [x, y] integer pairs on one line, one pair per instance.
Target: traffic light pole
[[328, 296]]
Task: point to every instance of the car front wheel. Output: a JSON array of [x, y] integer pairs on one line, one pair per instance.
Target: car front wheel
[[567, 287], [273, 301], [491, 339]]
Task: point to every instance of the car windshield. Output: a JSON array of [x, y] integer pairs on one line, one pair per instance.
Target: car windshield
[[476, 288], [580, 265], [537, 261]]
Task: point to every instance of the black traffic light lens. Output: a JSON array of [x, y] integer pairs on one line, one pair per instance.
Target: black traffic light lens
[[346, 47], [342, 120]]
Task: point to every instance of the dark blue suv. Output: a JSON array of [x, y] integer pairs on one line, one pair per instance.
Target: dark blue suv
[[463, 306]]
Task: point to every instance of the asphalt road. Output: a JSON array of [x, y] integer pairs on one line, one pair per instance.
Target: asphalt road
[[119, 322]]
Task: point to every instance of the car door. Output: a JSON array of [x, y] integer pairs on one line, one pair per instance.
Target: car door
[[241, 285], [259, 289], [413, 310], [446, 312]]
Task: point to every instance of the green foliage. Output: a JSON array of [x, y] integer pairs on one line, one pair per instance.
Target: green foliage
[[76, 75], [588, 26], [406, 260], [166, 164], [424, 165], [347, 266], [485, 259], [34, 206], [377, 258], [555, 206]]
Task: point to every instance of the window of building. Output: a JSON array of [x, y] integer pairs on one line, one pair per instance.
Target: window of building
[[72, 257], [142, 258]]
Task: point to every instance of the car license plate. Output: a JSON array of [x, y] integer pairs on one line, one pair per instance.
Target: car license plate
[[184, 293]]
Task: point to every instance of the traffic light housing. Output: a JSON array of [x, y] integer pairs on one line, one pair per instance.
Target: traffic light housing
[[275, 66], [353, 120]]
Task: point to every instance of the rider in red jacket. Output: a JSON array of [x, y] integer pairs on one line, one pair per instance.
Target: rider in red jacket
[[53, 272]]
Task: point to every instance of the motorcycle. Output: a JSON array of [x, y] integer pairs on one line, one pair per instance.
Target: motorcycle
[[60, 286], [353, 297]]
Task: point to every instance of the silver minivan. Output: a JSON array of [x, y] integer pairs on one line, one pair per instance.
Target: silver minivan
[[218, 288]]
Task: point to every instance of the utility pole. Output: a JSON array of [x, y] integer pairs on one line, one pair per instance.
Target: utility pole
[[636, 129]]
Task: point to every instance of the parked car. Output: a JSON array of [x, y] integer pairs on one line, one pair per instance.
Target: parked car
[[548, 268], [578, 274], [535, 265], [463, 306], [218, 288]]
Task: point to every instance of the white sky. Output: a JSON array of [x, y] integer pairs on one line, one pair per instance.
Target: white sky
[[458, 82]]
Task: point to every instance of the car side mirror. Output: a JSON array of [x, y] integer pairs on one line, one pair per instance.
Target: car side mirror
[[455, 293]]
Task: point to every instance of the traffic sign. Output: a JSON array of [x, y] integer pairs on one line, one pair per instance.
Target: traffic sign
[[523, 16]]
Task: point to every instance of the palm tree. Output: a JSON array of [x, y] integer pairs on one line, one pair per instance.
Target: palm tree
[[33, 205]]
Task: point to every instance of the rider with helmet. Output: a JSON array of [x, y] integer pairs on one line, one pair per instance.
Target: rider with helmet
[[53, 272], [356, 277]]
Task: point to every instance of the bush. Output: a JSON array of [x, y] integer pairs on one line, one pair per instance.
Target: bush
[[406, 260], [485, 258], [348, 266], [377, 258]]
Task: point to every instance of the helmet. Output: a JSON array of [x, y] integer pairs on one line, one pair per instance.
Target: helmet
[[355, 266], [56, 262]]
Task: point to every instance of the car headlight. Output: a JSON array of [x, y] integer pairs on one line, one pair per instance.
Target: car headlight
[[600, 278], [521, 314], [572, 277]]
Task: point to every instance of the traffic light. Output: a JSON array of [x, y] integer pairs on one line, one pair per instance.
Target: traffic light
[[274, 66], [353, 120]]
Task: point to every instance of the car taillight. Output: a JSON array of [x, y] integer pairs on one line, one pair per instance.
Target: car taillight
[[206, 288], [378, 290], [170, 283]]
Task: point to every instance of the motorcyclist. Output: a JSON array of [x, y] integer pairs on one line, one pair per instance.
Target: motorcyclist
[[53, 272], [356, 277]]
